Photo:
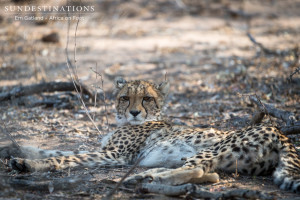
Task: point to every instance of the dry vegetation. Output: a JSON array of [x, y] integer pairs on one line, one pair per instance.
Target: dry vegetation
[[203, 47]]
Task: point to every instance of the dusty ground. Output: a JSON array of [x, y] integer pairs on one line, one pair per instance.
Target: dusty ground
[[201, 48]]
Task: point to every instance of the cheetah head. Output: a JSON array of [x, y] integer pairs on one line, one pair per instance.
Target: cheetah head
[[139, 101]]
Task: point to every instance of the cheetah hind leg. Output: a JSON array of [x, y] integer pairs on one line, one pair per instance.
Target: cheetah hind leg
[[177, 176]]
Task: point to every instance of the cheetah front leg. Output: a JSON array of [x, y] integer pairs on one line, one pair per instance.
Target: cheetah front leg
[[177, 176], [196, 170], [88, 160]]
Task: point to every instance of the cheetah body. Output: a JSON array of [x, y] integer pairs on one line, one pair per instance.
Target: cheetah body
[[182, 154]]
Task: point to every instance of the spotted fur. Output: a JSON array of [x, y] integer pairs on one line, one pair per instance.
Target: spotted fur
[[139, 101], [180, 154]]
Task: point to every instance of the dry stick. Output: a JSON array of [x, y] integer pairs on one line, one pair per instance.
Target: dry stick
[[257, 117], [233, 194], [286, 116], [245, 194], [109, 195], [5, 130], [42, 183], [104, 96], [18, 91], [292, 127], [196, 192], [75, 51], [261, 46], [236, 170], [74, 79], [168, 190], [166, 74], [265, 110], [297, 70], [5, 164], [105, 106], [288, 130], [95, 100]]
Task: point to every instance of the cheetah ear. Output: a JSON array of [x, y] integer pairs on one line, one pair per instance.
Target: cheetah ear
[[120, 82], [164, 88]]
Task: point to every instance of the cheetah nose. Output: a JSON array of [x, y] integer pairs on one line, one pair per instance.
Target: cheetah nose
[[135, 112]]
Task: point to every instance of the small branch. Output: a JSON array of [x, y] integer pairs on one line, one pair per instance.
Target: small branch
[[264, 108], [168, 190], [292, 127], [74, 76], [197, 192], [286, 116], [166, 76], [110, 194], [289, 130], [261, 46], [257, 118], [297, 70], [18, 91], [4, 130], [43, 183], [233, 194], [245, 194], [104, 96]]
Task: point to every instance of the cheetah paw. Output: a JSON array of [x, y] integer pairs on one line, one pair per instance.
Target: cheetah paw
[[27, 165], [177, 176], [19, 164]]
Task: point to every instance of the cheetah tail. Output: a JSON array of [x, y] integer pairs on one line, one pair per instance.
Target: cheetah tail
[[287, 173]]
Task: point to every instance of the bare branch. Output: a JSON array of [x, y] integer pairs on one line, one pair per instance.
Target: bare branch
[[232, 194], [261, 46], [110, 194], [166, 76], [74, 77], [4, 130], [168, 190], [292, 127], [42, 183], [257, 118], [289, 130], [286, 116], [104, 96], [18, 91], [197, 192], [297, 70], [264, 108]]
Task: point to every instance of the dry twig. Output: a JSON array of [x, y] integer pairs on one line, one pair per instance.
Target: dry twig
[[4, 130], [297, 70], [286, 116], [73, 73], [261, 105], [194, 191], [289, 130], [42, 183], [257, 117], [168, 190], [104, 96], [261, 46], [233, 194], [292, 127], [18, 91], [110, 194]]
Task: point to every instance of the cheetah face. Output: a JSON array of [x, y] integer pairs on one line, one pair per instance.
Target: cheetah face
[[139, 101]]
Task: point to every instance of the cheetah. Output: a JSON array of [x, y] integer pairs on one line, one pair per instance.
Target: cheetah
[[177, 154]]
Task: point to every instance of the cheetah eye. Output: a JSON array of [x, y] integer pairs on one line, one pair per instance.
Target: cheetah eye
[[124, 98], [147, 98]]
